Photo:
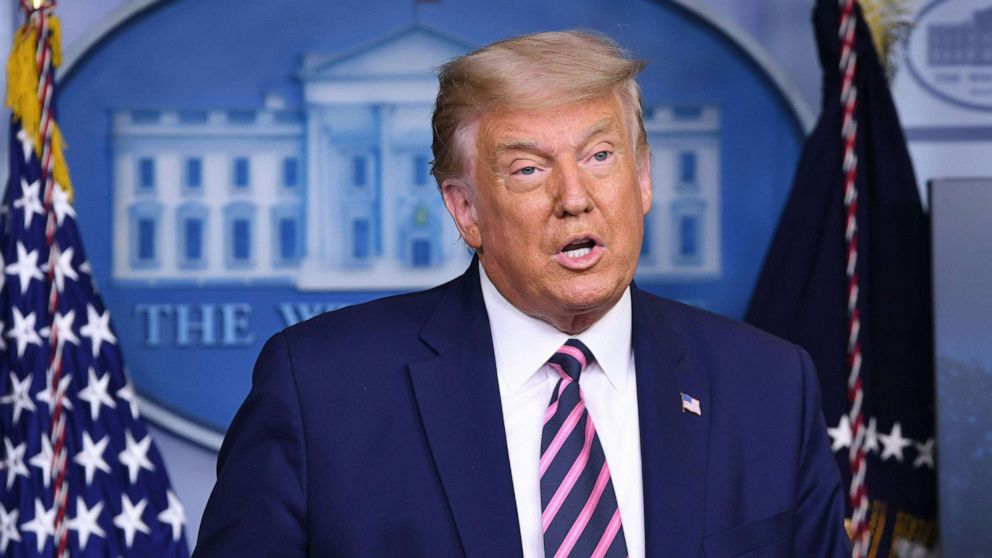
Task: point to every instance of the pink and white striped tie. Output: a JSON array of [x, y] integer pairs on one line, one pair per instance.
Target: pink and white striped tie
[[580, 516]]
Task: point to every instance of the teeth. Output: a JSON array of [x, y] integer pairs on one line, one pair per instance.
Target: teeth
[[577, 253]]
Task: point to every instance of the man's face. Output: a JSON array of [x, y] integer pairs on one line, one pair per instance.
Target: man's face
[[555, 208]]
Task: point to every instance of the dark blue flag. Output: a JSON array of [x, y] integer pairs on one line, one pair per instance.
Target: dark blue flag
[[82, 478], [804, 290]]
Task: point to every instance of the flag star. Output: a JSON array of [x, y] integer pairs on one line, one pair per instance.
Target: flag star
[[95, 393], [127, 394], [43, 524], [925, 457], [63, 325], [893, 443], [129, 519], [45, 395], [13, 461], [27, 145], [29, 201], [91, 456], [63, 269], [43, 460], [8, 528], [86, 522], [174, 515], [135, 456], [3, 344], [26, 267], [871, 436], [61, 204], [841, 435], [23, 331], [85, 268], [3, 276], [19, 395], [97, 328]]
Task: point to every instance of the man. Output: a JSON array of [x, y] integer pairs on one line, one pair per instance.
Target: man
[[451, 422]]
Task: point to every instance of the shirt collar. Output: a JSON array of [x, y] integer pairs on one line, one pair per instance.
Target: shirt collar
[[522, 344]]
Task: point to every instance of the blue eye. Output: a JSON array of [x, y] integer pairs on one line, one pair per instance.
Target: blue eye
[[527, 171], [601, 155]]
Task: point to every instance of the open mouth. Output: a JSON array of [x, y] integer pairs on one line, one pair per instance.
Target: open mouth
[[578, 248]]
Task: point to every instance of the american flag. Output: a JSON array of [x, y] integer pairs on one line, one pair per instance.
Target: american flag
[[847, 277], [691, 405], [79, 475]]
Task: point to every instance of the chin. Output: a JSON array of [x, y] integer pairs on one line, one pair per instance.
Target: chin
[[592, 295]]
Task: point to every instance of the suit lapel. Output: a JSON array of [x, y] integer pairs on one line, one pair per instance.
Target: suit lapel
[[673, 443], [457, 393]]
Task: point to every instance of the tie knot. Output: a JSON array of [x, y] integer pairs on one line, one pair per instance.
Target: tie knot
[[571, 359]]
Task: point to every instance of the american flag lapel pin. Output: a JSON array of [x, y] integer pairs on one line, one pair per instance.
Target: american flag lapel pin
[[691, 405]]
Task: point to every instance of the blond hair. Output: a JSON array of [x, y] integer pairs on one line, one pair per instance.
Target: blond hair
[[530, 72]]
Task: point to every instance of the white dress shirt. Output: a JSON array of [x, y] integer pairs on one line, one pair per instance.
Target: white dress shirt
[[522, 347]]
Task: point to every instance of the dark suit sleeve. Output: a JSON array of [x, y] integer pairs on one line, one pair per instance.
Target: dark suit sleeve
[[258, 506], [819, 518]]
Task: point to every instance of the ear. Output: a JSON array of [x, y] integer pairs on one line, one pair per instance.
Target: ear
[[644, 179], [460, 201]]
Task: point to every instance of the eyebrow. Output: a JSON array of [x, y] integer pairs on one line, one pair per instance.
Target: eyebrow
[[517, 145], [601, 126], [604, 125]]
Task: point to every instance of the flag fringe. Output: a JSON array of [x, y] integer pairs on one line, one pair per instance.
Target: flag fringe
[[22, 93]]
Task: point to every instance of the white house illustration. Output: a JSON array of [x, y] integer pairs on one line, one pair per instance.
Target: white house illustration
[[338, 195], [682, 234]]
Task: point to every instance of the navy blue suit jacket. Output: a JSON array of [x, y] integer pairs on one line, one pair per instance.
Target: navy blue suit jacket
[[376, 430]]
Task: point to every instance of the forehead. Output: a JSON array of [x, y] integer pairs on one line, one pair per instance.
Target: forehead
[[557, 126]]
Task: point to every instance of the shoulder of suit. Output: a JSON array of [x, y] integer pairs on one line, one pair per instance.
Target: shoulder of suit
[[402, 314]]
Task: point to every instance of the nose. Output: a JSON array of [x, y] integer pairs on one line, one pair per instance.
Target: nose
[[573, 193]]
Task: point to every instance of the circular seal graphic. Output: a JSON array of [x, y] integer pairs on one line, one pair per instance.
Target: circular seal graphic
[[241, 178], [950, 52]]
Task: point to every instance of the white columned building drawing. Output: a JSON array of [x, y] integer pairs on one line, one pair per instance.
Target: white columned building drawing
[[337, 194], [207, 195], [376, 218]]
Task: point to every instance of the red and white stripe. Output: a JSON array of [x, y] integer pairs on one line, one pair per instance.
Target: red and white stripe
[[858, 493], [39, 18]]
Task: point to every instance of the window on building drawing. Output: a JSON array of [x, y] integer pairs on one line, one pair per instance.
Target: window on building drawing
[[146, 173], [361, 239], [144, 232], [242, 172], [688, 232], [191, 228], [146, 239], [287, 235], [688, 237], [421, 170], [287, 238], [687, 163], [239, 234], [241, 240], [421, 253], [359, 171], [290, 172], [194, 173]]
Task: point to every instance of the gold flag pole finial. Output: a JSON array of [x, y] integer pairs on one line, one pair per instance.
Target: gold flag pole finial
[[890, 24], [22, 86]]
